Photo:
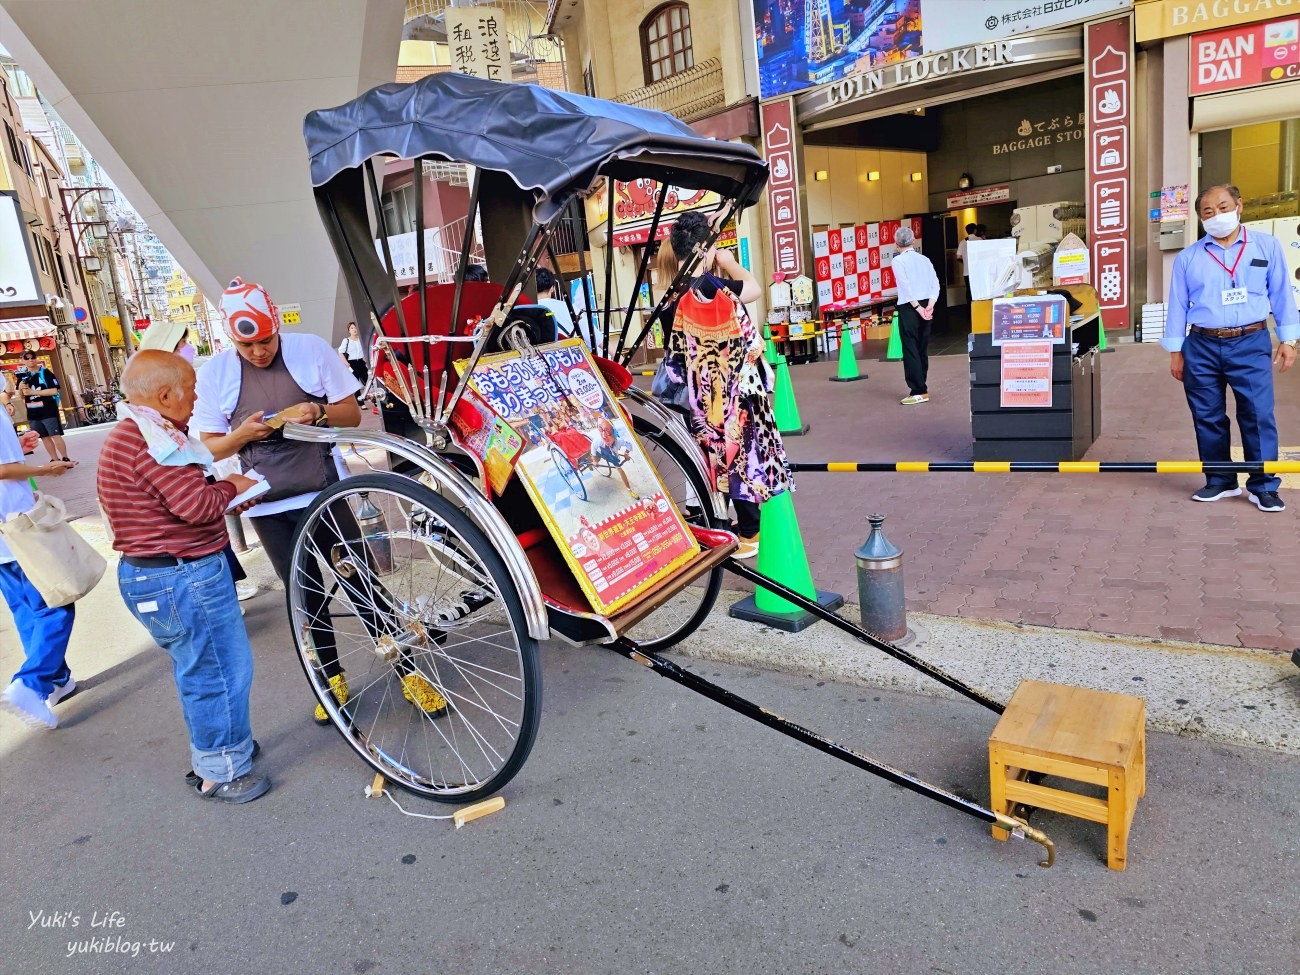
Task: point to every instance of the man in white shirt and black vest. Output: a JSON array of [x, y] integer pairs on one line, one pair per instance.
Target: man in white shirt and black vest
[[918, 290], [300, 379]]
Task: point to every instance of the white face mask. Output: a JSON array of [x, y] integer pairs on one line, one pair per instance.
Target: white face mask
[[1221, 224]]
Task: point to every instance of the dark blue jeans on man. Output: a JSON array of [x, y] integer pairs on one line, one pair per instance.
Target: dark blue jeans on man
[[192, 612], [1210, 366]]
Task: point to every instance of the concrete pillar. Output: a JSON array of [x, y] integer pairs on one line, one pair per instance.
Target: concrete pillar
[[1178, 146], [195, 111]]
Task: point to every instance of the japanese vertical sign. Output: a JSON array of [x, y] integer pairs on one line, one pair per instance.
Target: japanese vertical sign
[[477, 42], [1109, 60], [783, 186]]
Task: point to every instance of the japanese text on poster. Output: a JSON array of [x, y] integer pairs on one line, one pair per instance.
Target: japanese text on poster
[[1026, 374], [596, 490]]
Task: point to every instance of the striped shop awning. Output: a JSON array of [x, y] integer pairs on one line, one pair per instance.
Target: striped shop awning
[[14, 329]]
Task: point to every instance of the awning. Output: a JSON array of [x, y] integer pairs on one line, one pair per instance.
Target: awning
[[14, 329]]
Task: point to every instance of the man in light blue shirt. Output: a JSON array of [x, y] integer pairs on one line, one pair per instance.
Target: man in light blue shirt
[[1220, 296]]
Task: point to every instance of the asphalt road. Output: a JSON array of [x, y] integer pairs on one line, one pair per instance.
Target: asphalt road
[[651, 831]]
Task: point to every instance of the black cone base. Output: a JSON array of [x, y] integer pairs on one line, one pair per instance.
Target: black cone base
[[800, 619]]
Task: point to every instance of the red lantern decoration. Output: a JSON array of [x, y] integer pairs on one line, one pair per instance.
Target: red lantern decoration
[[47, 342]]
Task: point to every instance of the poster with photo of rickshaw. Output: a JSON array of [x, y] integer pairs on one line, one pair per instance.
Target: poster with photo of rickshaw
[[597, 492]]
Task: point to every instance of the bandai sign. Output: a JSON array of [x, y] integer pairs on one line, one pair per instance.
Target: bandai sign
[[1242, 57]]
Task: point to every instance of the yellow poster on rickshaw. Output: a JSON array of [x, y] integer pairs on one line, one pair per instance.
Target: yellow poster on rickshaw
[[596, 490]]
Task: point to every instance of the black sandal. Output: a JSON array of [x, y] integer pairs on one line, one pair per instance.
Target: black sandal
[[192, 777]]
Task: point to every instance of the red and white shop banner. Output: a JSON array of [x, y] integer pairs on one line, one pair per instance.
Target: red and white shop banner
[[777, 119], [1108, 56], [1242, 57]]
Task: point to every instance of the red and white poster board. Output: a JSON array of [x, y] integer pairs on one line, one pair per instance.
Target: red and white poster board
[[1109, 60], [1026, 373], [852, 264], [577, 450]]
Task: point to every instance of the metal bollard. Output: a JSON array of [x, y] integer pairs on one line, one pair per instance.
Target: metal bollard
[[880, 584]]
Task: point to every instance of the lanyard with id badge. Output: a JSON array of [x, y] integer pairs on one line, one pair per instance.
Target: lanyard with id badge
[[1233, 295]]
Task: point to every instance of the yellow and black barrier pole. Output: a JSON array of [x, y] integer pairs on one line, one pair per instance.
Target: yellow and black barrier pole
[[1049, 467]]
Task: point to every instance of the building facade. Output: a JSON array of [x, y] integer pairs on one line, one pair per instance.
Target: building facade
[[44, 306]]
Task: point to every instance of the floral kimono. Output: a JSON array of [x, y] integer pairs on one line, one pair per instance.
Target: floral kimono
[[720, 353]]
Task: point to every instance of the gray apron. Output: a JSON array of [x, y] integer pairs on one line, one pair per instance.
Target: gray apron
[[291, 466]]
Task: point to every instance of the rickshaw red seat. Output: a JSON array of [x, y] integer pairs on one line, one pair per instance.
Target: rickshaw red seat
[[572, 443]]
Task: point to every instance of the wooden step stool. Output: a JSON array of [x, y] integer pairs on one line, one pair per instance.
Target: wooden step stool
[[1074, 733]]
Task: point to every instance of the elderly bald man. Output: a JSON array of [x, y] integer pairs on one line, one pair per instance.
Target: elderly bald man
[[168, 521]]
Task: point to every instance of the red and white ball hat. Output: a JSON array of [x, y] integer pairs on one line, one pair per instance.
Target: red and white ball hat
[[248, 313]]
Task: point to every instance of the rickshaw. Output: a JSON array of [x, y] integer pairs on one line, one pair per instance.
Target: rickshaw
[[428, 565]]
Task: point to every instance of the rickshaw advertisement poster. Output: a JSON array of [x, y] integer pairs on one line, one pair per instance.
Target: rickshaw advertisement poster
[[598, 493]]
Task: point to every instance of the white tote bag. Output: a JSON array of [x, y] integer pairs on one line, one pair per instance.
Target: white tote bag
[[56, 560]]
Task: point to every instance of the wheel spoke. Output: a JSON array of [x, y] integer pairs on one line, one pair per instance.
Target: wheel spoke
[[417, 594]]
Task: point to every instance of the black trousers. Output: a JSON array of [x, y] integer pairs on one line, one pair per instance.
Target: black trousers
[[368, 596], [360, 370], [914, 333], [746, 518]]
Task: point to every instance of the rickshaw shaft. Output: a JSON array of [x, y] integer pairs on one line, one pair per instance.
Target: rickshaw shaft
[[666, 668], [898, 653]]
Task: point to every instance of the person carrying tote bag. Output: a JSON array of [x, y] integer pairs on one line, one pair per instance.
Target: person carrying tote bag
[[44, 629]]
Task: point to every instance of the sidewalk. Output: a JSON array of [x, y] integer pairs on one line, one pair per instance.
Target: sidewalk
[[1125, 554], [1110, 553]]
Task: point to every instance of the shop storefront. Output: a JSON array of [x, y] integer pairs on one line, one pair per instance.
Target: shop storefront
[[993, 133], [1233, 69], [1245, 88]]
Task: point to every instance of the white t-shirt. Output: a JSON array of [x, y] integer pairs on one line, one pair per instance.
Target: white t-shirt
[[352, 348], [15, 496], [563, 320], [313, 365], [961, 253]]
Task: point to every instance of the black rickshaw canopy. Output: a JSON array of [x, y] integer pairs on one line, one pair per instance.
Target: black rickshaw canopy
[[552, 144]]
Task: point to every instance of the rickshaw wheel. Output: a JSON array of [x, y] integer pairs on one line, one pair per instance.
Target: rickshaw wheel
[[681, 615], [572, 476], [419, 602]]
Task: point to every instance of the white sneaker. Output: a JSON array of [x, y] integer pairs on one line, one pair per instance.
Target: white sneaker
[[61, 691], [245, 590], [27, 705]]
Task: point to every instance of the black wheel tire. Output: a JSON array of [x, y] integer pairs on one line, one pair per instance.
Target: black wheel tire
[[530, 664], [704, 518]]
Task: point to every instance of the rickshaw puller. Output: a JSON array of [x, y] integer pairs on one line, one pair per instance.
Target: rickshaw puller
[[300, 379]]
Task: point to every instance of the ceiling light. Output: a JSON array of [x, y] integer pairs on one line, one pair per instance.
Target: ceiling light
[[873, 176], [821, 176]]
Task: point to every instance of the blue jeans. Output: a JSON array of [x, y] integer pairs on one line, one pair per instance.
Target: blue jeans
[[44, 632], [192, 612], [1245, 363]]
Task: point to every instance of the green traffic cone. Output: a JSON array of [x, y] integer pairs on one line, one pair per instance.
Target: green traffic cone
[[847, 372], [781, 557], [788, 421], [895, 350], [1101, 335], [781, 554], [769, 351]]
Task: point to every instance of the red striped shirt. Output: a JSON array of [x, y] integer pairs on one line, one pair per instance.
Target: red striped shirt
[[157, 510]]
